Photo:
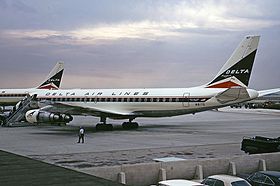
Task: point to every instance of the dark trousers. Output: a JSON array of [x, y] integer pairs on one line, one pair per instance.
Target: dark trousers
[[81, 136]]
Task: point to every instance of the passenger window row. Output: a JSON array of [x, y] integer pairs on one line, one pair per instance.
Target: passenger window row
[[13, 95], [100, 99]]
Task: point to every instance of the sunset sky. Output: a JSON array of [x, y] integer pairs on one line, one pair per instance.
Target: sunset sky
[[134, 44]]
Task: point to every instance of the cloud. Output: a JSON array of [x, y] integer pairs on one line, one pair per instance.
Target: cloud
[[3, 4], [146, 30], [134, 43], [16, 5], [178, 19], [22, 7]]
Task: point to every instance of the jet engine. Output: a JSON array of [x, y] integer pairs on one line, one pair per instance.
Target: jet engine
[[39, 116]]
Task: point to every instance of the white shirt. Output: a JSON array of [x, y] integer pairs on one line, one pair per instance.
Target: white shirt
[[82, 131]]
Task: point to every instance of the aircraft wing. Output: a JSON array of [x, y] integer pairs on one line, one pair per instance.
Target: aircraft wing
[[267, 92], [79, 110]]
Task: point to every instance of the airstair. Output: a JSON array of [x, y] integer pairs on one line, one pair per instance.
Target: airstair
[[19, 114]]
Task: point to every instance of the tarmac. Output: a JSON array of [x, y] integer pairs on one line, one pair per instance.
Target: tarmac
[[210, 134]]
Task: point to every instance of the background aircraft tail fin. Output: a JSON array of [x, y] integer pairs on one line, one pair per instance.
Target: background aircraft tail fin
[[237, 70], [53, 80]]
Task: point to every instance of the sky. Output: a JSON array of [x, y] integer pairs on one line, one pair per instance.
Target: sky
[[134, 43]]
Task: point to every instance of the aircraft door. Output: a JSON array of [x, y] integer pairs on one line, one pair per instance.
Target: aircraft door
[[185, 100]]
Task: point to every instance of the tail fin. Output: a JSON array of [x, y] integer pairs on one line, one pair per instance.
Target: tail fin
[[236, 71], [53, 80]]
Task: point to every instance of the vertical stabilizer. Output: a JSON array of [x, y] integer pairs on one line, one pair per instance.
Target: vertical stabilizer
[[237, 70], [53, 80]]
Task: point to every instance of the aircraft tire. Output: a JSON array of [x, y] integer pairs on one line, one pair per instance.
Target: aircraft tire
[[135, 125], [109, 127], [104, 127], [130, 125], [99, 127]]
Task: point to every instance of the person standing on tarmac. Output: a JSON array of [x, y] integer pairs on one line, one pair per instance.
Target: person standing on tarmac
[[81, 135]]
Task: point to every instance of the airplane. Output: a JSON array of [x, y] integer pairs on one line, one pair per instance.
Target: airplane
[[230, 86], [10, 97]]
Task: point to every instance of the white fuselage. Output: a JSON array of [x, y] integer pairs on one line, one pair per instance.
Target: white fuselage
[[156, 102], [10, 97]]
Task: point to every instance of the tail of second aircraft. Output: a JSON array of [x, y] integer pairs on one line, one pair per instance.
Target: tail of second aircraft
[[236, 71], [53, 80]]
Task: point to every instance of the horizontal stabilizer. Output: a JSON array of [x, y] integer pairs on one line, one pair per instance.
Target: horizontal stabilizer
[[269, 91], [232, 94]]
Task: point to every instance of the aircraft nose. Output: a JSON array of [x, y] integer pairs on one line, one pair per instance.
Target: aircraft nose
[[253, 93]]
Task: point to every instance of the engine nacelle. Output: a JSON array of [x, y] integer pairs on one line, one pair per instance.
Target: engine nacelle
[[38, 116]]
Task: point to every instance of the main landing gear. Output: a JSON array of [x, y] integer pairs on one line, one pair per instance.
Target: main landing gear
[[103, 126], [130, 125]]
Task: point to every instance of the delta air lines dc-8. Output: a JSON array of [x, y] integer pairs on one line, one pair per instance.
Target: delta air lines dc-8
[[230, 86]]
